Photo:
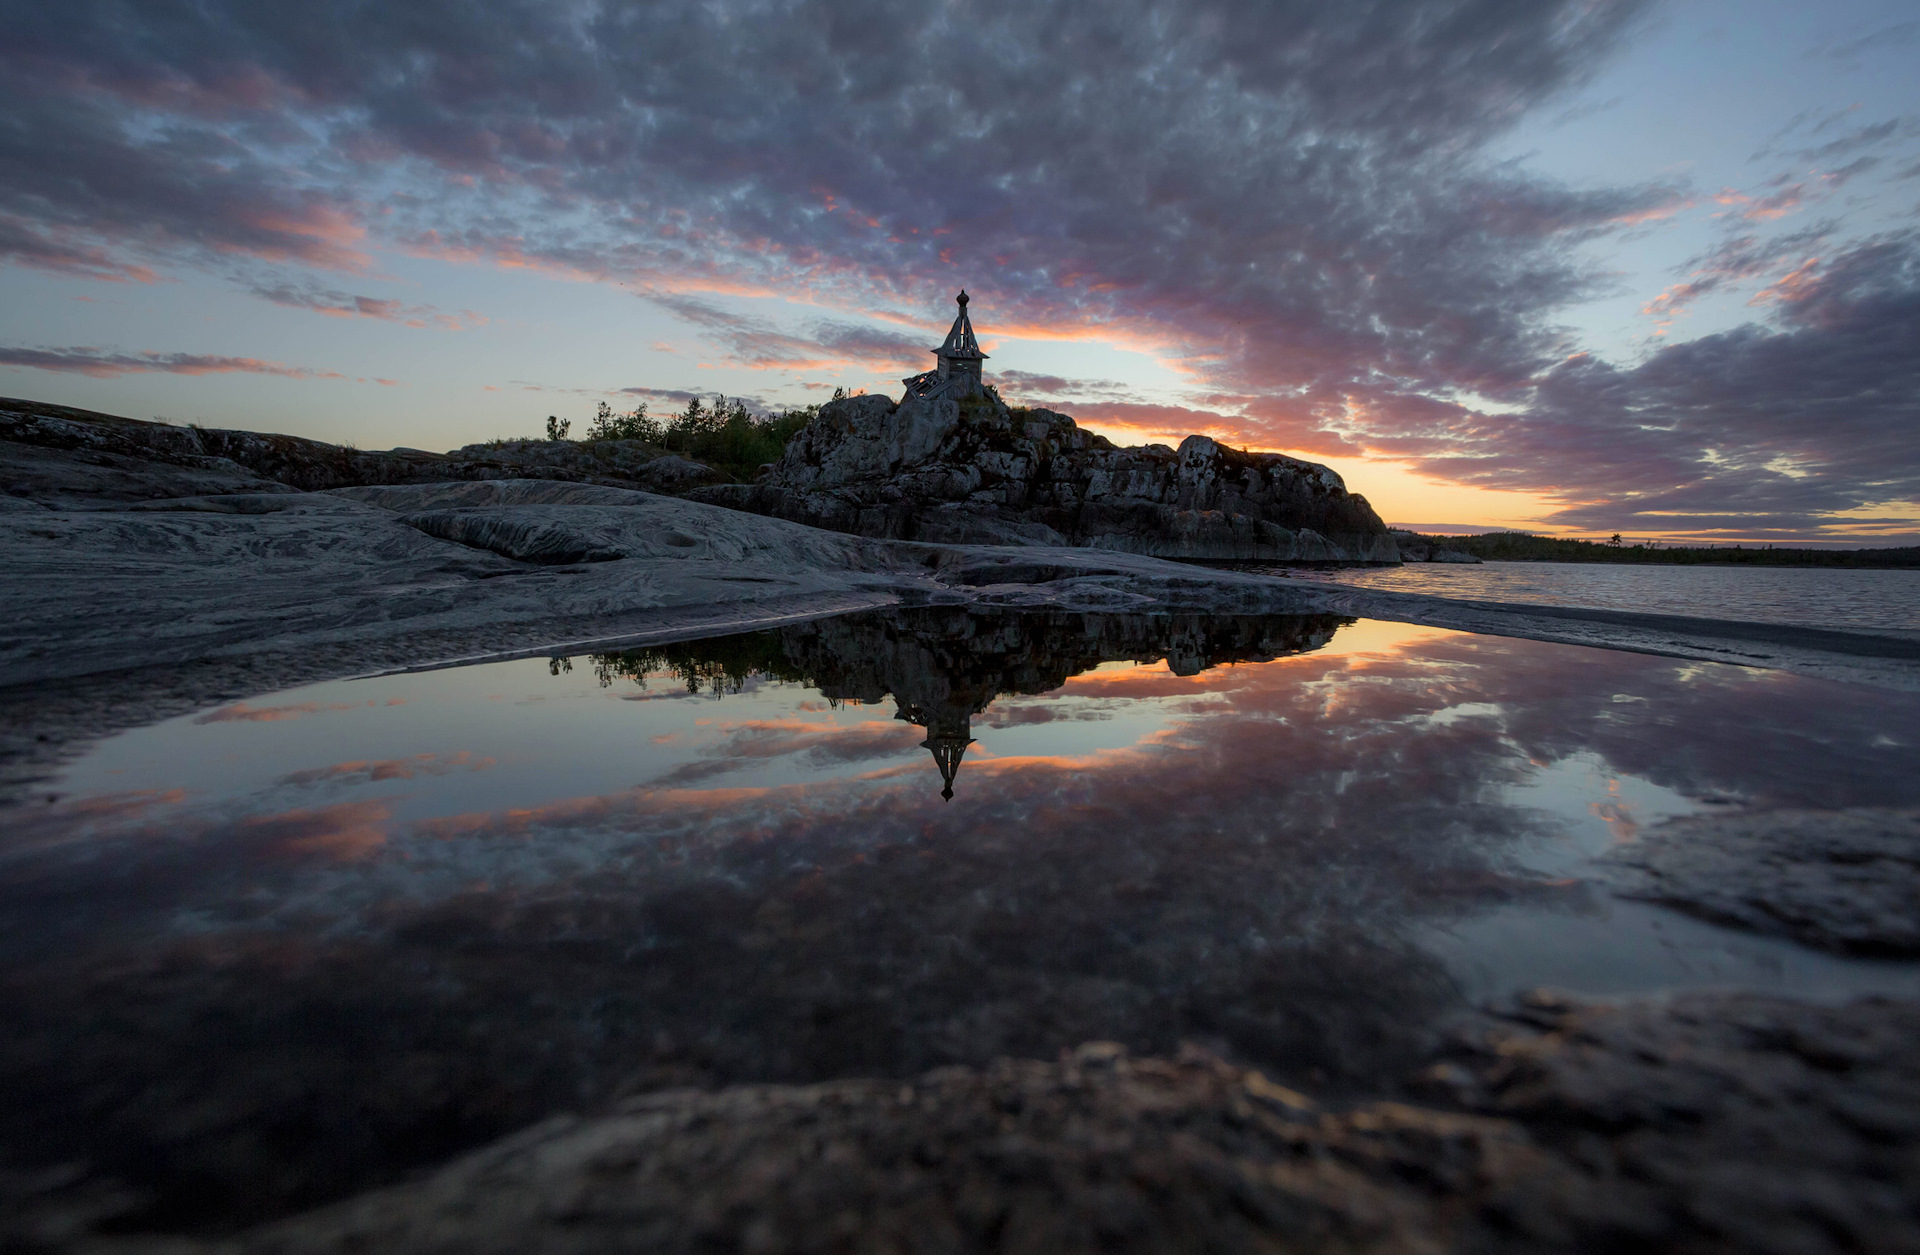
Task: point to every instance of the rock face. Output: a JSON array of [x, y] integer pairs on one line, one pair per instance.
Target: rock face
[[973, 471], [63, 457]]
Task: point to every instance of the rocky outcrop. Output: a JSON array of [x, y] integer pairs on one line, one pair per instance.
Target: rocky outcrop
[[973, 471], [60, 456]]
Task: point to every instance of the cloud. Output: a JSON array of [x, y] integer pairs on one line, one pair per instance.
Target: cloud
[[1893, 36], [54, 250], [1736, 259], [1766, 208], [1042, 387], [822, 344], [99, 364], [1757, 431], [337, 304]]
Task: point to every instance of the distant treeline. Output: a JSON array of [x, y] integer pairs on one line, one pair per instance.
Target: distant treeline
[[1521, 547]]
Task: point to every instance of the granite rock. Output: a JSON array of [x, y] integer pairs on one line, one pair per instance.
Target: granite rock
[[973, 471], [64, 458]]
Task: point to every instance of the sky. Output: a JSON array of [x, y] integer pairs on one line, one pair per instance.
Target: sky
[[1573, 266]]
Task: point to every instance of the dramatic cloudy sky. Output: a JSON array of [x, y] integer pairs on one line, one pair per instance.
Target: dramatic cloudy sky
[[1578, 265]]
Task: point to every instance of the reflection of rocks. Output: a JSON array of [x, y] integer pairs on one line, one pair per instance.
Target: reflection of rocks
[[1711, 1123], [944, 666], [1841, 880], [950, 462]]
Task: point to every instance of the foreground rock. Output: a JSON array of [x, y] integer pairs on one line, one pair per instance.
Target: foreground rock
[[970, 470], [1708, 1123], [1840, 880]]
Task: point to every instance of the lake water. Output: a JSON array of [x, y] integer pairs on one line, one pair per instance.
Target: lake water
[[1828, 597], [272, 953]]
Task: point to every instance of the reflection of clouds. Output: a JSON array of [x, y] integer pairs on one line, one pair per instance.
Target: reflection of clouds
[[348, 831], [363, 771], [758, 741], [77, 819], [1025, 712], [241, 712]]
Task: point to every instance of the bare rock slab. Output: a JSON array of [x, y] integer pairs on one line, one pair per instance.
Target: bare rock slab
[[1847, 881]]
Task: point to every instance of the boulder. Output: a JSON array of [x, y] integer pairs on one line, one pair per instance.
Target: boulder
[[971, 470]]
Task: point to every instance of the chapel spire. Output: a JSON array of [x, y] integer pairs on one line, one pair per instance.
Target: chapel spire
[[960, 345], [958, 374]]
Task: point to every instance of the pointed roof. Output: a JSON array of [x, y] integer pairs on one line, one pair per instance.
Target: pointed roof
[[960, 342]]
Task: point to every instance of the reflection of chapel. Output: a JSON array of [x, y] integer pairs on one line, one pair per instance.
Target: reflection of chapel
[[958, 374], [947, 740], [949, 724]]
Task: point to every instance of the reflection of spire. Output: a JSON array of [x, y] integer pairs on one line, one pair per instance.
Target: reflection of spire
[[947, 740]]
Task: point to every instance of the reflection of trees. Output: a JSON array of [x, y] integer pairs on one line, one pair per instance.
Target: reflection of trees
[[722, 665]]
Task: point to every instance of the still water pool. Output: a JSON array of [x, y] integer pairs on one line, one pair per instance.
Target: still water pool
[[270, 953]]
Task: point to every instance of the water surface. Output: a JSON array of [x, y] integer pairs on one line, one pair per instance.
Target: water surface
[[268, 954], [1825, 597]]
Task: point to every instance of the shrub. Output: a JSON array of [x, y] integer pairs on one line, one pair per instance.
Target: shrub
[[608, 425]]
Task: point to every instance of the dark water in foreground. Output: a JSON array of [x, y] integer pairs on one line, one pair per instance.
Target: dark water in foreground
[[269, 954]]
